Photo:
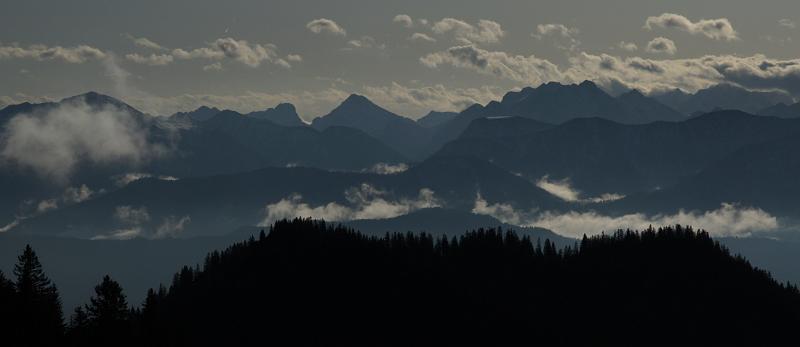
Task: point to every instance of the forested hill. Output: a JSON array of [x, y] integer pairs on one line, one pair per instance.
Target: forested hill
[[307, 282], [312, 282]]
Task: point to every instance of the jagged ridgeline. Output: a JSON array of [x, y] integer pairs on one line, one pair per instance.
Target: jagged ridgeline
[[312, 282]]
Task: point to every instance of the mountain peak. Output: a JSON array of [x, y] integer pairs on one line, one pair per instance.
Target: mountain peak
[[356, 99], [588, 84]]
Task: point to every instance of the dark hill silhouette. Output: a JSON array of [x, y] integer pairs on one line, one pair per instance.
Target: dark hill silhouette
[[400, 133], [601, 156], [313, 283]]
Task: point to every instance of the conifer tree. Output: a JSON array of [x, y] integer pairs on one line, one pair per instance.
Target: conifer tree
[[39, 315]]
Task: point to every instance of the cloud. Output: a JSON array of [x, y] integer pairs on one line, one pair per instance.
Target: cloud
[[131, 215], [249, 54], [171, 227], [364, 202], [388, 169], [294, 58], [436, 97], [152, 59], [417, 37], [74, 55], [717, 29], [321, 25], [365, 42], [135, 221], [120, 234], [128, 178], [560, 31], [55, 142], [563, 190], [661, 45], [145, 43], [728, 220], [404, 19], [628, 46], [519, 68], [213, 67], [787, 23], [485, 31]]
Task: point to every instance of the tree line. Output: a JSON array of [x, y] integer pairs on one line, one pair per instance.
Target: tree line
[[308, 282]]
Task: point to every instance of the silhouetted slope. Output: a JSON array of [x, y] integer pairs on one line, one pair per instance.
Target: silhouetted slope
[[312, 283], [600, 156], [400, 133]]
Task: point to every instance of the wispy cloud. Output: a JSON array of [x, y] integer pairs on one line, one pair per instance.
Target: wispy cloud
[[75, 55], [364, 202], [486, 31]]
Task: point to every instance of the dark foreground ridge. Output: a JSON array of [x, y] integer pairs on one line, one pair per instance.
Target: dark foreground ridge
[[308, 282]]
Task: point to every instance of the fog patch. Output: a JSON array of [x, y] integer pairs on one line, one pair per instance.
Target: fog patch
[[55, 142], [363, 202], [388, 169], [135, 223], [128, 178], [728, 220], [171, 227], [563, 190]]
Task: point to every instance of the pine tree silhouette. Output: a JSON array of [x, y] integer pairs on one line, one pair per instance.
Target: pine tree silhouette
[[39, 315]]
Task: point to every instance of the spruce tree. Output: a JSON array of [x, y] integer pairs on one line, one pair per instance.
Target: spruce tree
[[107, 310], [39, 315]]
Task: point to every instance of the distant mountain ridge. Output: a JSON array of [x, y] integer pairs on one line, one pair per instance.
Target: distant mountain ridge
[[721, 97]]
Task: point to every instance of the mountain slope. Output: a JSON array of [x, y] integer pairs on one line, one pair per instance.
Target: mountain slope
[[599, 156], [400, 133]]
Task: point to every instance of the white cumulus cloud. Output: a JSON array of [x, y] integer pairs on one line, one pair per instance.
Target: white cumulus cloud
[[717, 29], [324, 25]]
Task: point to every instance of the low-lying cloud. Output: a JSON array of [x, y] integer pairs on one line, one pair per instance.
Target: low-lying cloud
[[728, 220], [135, 223], [563, 190], [54, 143], [364, 202], [74, 55]]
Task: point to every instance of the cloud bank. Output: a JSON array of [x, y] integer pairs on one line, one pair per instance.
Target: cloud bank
[[364, 202], [74, 55], [728, 220]]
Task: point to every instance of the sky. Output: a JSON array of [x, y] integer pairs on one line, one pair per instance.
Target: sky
[[408, 56]]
